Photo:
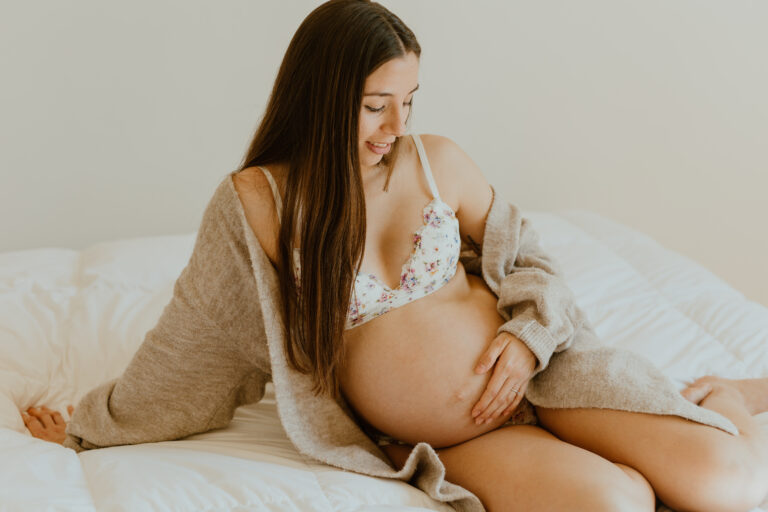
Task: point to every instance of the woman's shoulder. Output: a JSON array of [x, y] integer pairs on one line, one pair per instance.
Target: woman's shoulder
[[255, 194], [253, 179], [452, 168], [445, 155]]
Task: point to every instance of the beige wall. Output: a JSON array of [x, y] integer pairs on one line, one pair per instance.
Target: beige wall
[[117, 122]]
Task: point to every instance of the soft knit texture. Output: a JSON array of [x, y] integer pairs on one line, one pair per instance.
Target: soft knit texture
[[220, 339]]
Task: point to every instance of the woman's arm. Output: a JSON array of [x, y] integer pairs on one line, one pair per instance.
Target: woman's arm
[[192, 370], [501, 245], [540, 313], [534, 298]]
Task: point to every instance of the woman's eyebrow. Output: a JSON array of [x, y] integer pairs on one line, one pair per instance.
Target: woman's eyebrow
[[387, 93]]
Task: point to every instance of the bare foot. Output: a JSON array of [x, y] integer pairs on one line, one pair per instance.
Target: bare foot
[[697, 392], [754, 392], [46, 424]]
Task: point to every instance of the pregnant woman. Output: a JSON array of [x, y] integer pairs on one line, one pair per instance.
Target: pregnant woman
[[475, 361]]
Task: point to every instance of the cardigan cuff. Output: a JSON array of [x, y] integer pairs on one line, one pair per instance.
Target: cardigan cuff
[[535, 336], [73, 442]]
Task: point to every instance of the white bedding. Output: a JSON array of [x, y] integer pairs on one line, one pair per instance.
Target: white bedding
[[70, 320]]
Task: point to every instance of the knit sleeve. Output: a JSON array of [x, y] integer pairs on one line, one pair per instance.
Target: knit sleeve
[[192, 370], [533, 296]]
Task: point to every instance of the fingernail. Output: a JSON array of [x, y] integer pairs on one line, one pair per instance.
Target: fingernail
[[480, 369], [478, 421]]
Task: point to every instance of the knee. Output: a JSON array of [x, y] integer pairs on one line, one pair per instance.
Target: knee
[[624, 491], [621, 500], [737, 487], [628, 495], [637, 490], [722, 477]]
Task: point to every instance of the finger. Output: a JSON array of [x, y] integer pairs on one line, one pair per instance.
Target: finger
[[70, 410], [495, 412], [491, 390], [34, 412], [33, 424], [518, 399], [499, 399], [698, 393], [505, 369], [58, 419], [488, 359], [499, 402], [510, 409], [44, 415], [514, 403], [507, 396], [706, 379]]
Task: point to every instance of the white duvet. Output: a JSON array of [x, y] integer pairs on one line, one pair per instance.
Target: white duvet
[[70, 320]]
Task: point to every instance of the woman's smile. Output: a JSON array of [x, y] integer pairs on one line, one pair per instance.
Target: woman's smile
[[378, 149]]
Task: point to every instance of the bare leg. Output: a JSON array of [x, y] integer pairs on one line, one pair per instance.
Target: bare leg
[[690, 466], [525, 468]]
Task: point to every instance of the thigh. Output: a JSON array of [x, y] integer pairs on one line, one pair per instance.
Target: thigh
[[526, 468], [689, 465]]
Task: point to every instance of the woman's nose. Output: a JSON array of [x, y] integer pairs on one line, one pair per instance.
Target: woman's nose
[[396, 122]]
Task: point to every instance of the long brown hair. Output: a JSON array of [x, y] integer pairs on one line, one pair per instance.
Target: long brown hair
[[311, 122]]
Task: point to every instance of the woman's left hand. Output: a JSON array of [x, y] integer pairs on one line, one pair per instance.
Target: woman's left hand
[[513, 364]]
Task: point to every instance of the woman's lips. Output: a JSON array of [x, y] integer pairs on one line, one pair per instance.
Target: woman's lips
[[378, 150]]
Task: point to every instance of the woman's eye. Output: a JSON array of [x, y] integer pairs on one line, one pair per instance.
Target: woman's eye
[[382, 107]]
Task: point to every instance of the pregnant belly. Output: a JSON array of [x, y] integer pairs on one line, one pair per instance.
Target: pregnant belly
[[410, 372]]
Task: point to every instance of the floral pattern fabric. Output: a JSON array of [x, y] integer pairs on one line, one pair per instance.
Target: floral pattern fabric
[[432, 263]]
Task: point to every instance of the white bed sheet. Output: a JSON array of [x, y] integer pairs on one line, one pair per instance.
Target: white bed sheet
[[69, 320]]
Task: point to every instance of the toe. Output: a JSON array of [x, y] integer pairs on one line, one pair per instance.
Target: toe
[[697, 392], [706, 379]]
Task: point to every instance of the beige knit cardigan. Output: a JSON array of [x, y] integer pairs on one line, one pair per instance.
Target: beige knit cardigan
[[220, 340]]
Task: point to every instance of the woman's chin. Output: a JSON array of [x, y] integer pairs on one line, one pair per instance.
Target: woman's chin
[[371, 164]]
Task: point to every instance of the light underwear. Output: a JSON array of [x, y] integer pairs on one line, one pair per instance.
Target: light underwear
[[430, 266], [432, 263]]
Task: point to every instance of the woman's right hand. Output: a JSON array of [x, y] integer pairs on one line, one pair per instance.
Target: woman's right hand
[[46, 424]]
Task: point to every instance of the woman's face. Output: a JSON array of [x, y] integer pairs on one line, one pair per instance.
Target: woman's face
[[386, 105]]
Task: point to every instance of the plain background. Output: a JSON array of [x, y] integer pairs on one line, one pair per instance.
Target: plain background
[[117, 120]]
